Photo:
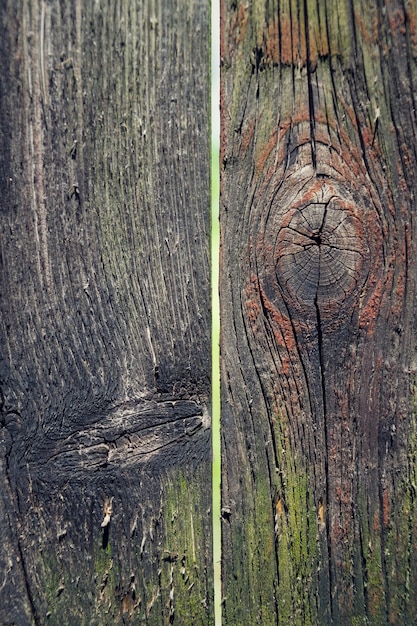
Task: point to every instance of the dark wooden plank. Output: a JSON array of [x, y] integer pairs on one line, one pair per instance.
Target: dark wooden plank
[[105, 327], [318, 290]]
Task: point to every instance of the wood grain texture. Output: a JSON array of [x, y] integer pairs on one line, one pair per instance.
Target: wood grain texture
[[105, 327], [318, 292]]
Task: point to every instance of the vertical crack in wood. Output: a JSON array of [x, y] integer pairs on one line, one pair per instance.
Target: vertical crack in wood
[[28, 583], [322, 374], [383, 541], [310, 88], [16, 524]]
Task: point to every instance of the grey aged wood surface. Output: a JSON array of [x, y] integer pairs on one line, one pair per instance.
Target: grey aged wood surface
[[105, 338]]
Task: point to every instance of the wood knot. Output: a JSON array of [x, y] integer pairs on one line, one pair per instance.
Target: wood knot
[[320, 251]]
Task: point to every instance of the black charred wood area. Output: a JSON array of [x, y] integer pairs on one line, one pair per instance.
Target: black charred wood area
[[105, 316]]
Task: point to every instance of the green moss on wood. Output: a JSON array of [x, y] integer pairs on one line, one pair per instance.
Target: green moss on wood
[[184, 560], [298, 548]]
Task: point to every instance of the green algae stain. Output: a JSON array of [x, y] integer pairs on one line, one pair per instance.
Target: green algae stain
[[185, 562], [297, 550]]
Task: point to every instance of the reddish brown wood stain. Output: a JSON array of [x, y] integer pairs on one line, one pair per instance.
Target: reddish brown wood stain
[[396, 17], [237, 27], [287, 40], [272, 42], [279, 507], [282, 330], [386, 508], [242, 21], [344, 495], [367, 28], [265, 152], [319, 45], [247, 135], [252, 303]]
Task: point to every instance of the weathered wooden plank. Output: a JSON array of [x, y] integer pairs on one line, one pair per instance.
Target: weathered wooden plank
[[105, 327], [318, 308]]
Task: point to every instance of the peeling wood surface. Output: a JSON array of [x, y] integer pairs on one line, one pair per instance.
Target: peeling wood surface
[[105, 320], [318, 293]]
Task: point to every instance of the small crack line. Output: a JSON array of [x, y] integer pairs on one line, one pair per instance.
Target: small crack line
[[325, 420]]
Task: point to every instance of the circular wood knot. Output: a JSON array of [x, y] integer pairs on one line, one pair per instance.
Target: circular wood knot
[[321, 254]]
